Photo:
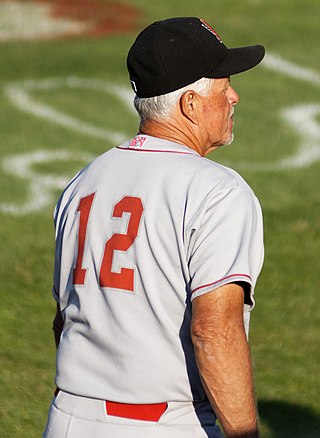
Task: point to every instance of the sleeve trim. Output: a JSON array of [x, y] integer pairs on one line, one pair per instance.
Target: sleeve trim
[[221, 280]]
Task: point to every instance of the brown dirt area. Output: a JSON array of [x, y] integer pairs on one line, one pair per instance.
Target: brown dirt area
[[103, 17]]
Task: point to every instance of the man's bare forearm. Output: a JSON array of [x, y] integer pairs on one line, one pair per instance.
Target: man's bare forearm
[[228, 384], [224, 362]]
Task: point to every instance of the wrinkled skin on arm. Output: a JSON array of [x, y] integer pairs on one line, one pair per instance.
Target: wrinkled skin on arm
[[223, 358]]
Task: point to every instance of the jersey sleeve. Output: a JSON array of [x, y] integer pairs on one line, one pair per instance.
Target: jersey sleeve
[[55, 294], [226, 242]]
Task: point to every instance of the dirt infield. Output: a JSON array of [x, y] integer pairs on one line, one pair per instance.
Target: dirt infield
[[46, 19], [106, 17]]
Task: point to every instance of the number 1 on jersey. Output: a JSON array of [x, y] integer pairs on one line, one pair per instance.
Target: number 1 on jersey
[[117, 242], [84, 208]]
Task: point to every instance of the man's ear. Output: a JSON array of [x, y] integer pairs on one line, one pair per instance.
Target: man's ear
[[190, 105]]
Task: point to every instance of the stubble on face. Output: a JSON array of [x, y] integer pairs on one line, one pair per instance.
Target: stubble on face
[[218, 111], [231, 137]]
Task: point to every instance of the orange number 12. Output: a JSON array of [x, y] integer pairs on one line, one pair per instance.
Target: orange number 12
[[117, 242]]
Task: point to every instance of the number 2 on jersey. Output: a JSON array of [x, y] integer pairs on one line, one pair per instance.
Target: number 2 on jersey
[[117, 242]]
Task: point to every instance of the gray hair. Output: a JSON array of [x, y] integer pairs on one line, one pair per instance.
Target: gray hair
[[161, 107]]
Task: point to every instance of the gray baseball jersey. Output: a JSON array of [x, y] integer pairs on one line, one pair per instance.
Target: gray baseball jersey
[[140, 232]]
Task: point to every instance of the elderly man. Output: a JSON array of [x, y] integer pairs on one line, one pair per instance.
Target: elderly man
[[158, 250]]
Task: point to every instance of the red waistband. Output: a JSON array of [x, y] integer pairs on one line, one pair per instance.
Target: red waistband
[[148, 412]]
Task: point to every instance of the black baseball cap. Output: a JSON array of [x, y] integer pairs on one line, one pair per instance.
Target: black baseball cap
[[173, 53]]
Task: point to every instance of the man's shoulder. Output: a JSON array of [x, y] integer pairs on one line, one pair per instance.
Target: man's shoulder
[[221, 177]]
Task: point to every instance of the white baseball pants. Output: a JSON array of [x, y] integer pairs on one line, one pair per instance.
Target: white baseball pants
[[72, 416]]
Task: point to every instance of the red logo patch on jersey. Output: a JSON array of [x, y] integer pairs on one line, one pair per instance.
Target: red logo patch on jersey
[[137, 142], [209, 28]]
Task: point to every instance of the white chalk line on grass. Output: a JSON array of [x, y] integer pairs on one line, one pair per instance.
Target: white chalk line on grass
[[276, 63], [21, 165], [301, 118], [40, 185], [19, 96]]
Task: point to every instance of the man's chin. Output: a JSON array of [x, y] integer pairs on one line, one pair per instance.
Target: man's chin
[[229, 140], [226, 142]]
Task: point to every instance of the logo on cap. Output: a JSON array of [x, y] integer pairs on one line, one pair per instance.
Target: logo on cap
[[209, 28]]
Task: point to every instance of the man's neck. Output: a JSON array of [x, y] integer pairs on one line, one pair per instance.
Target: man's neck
[[171, 130]]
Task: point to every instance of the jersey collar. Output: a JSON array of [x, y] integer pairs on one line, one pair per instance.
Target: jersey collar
[[147, 143]]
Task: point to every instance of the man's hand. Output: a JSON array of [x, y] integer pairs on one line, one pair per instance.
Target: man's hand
[[223, 359]]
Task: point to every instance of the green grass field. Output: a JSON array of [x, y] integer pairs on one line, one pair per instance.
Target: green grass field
[[58, 109]]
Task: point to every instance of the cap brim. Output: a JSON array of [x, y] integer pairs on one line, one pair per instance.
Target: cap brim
[[238, 60]]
